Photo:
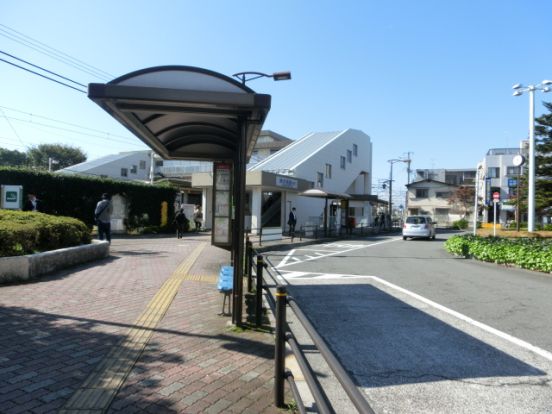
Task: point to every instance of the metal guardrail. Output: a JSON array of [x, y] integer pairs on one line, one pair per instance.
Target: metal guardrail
[[279, 301], [318, 232]]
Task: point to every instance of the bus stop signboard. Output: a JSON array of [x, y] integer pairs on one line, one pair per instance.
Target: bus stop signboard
[[222, 206]]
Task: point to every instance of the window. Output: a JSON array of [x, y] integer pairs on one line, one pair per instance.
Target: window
[[493, 172], [443, 194], [124, 172], [134, 169], [342, 162], [422, 193], [349, 156], [319, 179], [512, 171], [159, 163], [328, 170], [355, 150]]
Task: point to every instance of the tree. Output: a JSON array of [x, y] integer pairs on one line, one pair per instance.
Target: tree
[[65, 155], [543, 161], [463, 197], [9, 158]]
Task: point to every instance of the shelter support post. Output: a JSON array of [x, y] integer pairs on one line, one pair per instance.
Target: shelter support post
[[239, 223]]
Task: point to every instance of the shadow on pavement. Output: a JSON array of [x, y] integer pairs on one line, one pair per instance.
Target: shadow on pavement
[[383, 341], [44, 358]]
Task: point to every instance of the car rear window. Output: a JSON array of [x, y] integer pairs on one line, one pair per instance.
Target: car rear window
[[415, 220]]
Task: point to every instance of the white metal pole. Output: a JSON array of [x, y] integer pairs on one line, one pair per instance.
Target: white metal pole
[[531, 194], [152, 166], [390, 189], [475, 206], [49, 164], [494, 217]]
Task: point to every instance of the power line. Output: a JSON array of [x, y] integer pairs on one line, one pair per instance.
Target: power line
[[71, 130], [41, 68], [65, 123], [43, 76], [11, 126], [10, 142], [56, 54]]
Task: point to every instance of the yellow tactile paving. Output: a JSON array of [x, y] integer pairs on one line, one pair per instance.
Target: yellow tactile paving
[[101, 386]]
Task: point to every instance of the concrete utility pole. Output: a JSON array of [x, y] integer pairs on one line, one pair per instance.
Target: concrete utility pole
[[408, 171], [51, 162]]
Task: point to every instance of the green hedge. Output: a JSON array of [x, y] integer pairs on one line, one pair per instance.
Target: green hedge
[[527, 253], [29, 232], [77, 196], [460, 224]]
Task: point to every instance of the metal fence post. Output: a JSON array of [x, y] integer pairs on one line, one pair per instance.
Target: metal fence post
[[279, 349], [259, 293], [249, 263]]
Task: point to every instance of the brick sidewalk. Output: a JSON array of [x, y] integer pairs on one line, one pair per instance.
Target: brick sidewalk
[[57, 332]]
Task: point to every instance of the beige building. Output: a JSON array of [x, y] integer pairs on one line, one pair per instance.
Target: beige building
[[431, 198]]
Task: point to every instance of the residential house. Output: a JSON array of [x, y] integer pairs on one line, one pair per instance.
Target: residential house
[[431, 192]]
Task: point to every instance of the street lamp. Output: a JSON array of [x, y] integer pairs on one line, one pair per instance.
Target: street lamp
[[519, 89], [393, 161], [277, 76]]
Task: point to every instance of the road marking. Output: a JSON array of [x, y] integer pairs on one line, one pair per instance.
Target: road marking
[[489, 329], [516, 341], [284, 261], [311, 258], [101, 386]]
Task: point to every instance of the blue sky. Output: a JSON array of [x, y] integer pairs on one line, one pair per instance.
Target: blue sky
[[430, 77]]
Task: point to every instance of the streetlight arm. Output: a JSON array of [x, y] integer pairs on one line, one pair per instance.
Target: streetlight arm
[[277, 76]]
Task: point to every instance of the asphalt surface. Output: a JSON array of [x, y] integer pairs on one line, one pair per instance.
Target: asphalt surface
[[421, 331]]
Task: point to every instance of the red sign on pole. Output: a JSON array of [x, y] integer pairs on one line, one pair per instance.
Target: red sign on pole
[[496, 196]]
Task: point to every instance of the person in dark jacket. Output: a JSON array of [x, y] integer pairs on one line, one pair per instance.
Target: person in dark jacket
[[102, 214], [32, 203], [292, 221], [181, 223]]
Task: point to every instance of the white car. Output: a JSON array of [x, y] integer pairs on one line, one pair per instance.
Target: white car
[[418, 226]]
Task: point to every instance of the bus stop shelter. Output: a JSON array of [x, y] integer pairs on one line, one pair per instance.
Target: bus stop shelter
[[190, 113]]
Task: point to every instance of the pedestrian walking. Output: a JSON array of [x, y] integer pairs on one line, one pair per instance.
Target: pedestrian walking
[[181, 223], [198, 217], [102, 215], [292, 221]]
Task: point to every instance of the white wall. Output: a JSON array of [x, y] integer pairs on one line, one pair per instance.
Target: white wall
[[341, 179]]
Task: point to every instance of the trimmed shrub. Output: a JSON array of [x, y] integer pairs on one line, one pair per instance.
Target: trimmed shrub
[[527, 253], [460, 224], [77, 196], [31, 232]]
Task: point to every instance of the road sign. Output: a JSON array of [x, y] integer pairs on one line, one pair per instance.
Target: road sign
[[512, 182], [496, 196]]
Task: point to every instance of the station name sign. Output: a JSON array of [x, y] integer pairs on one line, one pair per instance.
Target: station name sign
[[287, 182]]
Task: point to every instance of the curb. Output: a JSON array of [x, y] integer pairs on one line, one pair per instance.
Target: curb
[[30, 266]]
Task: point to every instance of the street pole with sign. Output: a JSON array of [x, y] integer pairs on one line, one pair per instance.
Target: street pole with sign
[[518, 161], [496, 199]]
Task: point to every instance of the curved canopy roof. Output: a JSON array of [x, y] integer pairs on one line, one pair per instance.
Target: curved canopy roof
[[184, 112]]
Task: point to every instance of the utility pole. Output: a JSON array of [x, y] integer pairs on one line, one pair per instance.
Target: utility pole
[[51, 161], [408, 171]]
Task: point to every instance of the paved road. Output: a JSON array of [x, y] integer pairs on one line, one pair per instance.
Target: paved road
[[422, 331]]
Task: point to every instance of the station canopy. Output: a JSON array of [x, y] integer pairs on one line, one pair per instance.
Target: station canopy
[[184, 112]]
